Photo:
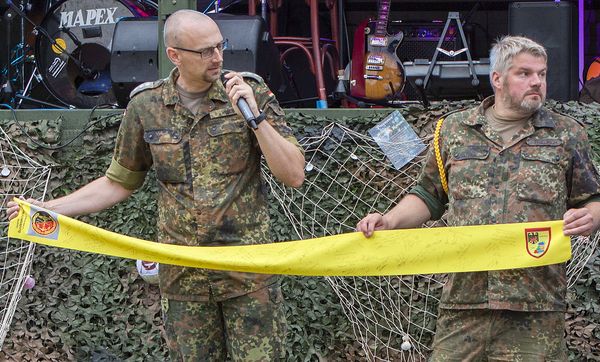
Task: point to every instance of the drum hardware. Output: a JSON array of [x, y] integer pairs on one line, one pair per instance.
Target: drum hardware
[[22, 96], [84, 28], [35, 74], [72, 50], [421, 84]]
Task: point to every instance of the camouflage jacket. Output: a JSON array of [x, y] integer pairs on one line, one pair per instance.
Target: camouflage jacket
[[208, 170], [545, 170]]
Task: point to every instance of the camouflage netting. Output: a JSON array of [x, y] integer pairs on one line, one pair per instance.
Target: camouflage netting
[[88, 307]]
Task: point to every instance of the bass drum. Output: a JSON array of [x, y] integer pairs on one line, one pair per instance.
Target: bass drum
[[73, 48]]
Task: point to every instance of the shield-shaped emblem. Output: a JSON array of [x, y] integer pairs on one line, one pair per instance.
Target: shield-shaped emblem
[[537, 241]]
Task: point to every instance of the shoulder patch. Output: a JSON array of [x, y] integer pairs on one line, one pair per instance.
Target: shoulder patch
[[570, 117], [144, 86], [455, 112], [458, 111]]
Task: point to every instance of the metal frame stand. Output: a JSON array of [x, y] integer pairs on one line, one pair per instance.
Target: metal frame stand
[[422, 84]]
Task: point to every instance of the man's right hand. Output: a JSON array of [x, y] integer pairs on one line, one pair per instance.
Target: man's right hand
[[371, 223], [13, 208]]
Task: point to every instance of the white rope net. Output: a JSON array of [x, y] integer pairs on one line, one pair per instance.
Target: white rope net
[[347, 177], [20, 176]]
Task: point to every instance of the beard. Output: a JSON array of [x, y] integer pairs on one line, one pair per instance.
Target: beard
[[531, 105], [524, 105]]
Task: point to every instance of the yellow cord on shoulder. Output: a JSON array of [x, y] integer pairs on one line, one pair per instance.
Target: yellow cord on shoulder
[[438, 155]]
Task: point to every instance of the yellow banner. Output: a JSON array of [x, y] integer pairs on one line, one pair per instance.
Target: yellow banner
[[390, 252]]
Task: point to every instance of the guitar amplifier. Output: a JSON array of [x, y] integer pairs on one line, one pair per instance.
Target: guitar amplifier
[[421, 38], [420, 41], [450, 79]]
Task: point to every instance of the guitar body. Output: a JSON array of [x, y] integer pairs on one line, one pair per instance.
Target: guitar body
[[383, 72]]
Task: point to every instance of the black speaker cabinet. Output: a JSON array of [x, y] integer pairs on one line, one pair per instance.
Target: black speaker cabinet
[[554, 25], [250, 48], [134, 55]]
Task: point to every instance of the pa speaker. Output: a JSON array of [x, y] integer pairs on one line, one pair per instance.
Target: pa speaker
[[552, 24], [250, 48], [134, 55]]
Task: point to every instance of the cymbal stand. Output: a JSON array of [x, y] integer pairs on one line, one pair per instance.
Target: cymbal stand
[[23, 96], [39, 30]]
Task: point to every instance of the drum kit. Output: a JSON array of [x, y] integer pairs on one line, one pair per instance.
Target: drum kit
[[71, 49], [65, 47]]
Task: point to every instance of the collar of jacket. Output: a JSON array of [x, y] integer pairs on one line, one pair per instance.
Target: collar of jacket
[[542, 118], [170, 95]]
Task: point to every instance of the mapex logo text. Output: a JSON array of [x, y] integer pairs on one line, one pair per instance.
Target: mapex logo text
[[87, 17]]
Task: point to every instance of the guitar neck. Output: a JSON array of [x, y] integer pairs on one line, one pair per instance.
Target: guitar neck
[[382, 17]]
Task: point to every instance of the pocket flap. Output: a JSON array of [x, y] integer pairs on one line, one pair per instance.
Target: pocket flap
[[221, 128], [540, 154], [222, 112], [158, 136], [475, 152]]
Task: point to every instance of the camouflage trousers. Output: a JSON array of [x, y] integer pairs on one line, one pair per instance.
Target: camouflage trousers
[[499, 335], [250, 327]]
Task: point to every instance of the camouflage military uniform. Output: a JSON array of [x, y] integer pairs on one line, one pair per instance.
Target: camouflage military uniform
[[211, 194], [543, 171]]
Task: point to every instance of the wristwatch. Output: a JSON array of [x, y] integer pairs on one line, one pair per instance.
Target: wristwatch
[[253, 123]]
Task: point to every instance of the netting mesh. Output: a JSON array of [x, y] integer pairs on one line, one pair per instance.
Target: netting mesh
[[582, 249], [20, 176], [347, 177]]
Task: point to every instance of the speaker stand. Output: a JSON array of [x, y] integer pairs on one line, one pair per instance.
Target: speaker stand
[[423, 83]]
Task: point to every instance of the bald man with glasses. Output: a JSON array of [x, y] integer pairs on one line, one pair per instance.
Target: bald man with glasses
[[207, 162]]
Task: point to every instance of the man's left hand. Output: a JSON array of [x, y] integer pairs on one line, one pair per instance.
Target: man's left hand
[[578, 222]]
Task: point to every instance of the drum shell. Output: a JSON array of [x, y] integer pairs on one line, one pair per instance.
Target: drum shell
[[73, 50]]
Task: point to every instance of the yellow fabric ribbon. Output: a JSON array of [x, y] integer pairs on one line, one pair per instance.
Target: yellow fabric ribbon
[[390, 252]]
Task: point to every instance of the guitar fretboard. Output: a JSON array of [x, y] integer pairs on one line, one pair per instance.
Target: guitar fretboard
[[382, 17]]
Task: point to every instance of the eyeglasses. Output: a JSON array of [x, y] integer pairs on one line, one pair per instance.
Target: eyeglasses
[[209, 52]]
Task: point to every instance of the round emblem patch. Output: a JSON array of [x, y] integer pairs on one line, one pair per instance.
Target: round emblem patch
[[42, 223]]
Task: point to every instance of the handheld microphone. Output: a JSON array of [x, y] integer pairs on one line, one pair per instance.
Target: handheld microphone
[[243, 106]]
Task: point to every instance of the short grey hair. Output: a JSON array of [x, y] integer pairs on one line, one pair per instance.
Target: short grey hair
[[508, 47]]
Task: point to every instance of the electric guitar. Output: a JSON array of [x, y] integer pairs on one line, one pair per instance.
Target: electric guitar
[[383, 71]]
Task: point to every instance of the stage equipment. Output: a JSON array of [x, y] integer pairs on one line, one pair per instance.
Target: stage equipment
[[250, 48], [451, 79], [552, 24], [421, 39], [341, 87], [383, 72], [73, 49], [448, 72], [134, 55]]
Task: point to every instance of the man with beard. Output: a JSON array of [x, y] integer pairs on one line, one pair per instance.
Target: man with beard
[[508, 160], [207, 162]]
